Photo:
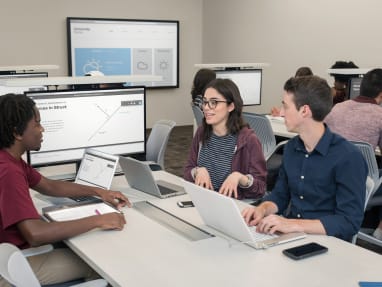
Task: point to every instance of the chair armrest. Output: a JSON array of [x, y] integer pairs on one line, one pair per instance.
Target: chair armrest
[[37, 250]]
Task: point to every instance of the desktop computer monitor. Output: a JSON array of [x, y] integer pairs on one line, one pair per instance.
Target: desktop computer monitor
[[354, 87], [248, 82], [109, 120]]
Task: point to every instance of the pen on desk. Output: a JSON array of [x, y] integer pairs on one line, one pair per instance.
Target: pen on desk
[[97, 212]]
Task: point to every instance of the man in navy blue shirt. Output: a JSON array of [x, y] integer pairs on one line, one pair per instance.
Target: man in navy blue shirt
[[322, 176]]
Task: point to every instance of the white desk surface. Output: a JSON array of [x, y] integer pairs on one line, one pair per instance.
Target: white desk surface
[[146, 253], [279, 128]]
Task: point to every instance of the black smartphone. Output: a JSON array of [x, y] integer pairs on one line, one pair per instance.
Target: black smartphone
[[184, 204], [305, 250]]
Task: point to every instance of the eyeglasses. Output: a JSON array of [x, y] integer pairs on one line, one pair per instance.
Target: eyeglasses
[[212, 103]]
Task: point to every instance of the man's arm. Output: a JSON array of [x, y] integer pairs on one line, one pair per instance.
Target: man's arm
[[253, 215], [274, 223], [37, 232], [60, 188]]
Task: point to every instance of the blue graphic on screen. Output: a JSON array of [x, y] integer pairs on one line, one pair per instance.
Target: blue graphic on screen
[[110, 61]]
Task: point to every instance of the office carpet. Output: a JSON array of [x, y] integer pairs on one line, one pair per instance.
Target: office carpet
[[177, 153]]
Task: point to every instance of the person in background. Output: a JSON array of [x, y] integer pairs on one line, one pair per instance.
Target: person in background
[[301, 72], [360, 119], [226, 156], [340, 90], [20, 222], [322, 177], [201, 79]]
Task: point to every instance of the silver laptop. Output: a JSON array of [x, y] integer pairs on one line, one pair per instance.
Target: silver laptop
[[139, 176], [222, 213], [96, 169]]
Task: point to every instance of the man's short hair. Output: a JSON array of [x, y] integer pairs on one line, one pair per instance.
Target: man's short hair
[[312, 91], [15, 113], [371, 85]]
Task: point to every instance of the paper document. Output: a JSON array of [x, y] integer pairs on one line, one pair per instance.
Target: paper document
[[64, 213]]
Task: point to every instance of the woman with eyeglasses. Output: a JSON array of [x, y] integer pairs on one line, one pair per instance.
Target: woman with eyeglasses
[[226, 155]]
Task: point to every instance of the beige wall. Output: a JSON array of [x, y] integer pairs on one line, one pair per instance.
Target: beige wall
[[34, 32], [285, 33], [291, 33]]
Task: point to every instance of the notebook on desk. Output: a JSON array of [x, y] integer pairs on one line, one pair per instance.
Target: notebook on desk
[[139, 176], [222, 213], [96, 169]]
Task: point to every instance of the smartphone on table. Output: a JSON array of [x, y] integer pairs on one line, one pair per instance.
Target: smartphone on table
[[184, 204], [305, 250]]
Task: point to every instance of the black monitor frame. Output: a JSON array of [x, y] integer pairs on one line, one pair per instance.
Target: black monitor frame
[[79, 151]]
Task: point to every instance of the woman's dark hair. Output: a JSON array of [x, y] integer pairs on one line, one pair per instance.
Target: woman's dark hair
[[228, 89], [15, 113], [201, 79], [312, 91], [303, 72], [343, 65]]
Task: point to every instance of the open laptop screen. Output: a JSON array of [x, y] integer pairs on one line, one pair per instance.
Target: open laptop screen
[[97, 169]]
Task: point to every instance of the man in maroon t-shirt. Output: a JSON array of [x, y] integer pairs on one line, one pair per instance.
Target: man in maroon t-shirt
[[20, 223]]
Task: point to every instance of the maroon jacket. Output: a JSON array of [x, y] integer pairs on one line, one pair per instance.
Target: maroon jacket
[[248, 159]]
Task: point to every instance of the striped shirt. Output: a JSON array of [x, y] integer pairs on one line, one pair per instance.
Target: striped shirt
[[216, 156]]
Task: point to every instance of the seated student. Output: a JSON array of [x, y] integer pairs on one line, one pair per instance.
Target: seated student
[[226, 155], [360, 119], [322, 177], [340, 89], [301, 72], [201, 79], [20, 222]]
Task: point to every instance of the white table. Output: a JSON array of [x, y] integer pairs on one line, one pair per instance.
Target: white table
[[279, 128], [146, 253]]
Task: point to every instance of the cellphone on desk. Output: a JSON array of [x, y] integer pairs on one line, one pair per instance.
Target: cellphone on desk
[[305, 250], [184, 204]]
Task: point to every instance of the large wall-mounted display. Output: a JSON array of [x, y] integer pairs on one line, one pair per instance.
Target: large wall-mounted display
[[125, 47]]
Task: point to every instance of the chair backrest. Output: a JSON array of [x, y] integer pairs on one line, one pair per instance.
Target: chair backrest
[[369, 155], [369, 189], [15, 268], [263, 129], [198, 114], [157, 141], [369, 193]]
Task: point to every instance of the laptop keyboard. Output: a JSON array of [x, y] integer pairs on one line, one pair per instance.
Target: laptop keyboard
[[84, 198], [257, 236]]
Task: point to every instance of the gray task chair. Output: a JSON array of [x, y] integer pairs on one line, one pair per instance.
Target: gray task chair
[[369, 155], [363, 233], [157, 142], [263, 129], [15, 268], [272, 152], [198, 114]]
